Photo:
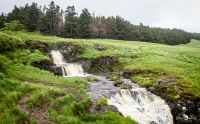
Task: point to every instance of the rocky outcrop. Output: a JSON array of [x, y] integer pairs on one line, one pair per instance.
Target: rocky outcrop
[[33, 45], [100, 64], [186, 111], [104, 63], [48, 66], [70, 51]]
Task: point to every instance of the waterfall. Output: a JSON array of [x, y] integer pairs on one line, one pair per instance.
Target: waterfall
[[72, 69], [57, 58], [142, 106], [136, 103], [68, 69]]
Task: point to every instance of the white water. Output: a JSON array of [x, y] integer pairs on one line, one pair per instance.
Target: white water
[[57, 58], [68, 69], [142, 106], [137, 103]]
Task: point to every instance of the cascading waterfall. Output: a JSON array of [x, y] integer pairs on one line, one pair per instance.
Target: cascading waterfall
[[68, 69], [142, 106], [136, 103], [57, 58], [72, 69]]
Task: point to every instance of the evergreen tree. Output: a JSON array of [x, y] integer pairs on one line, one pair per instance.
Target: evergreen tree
[[85, 20], [2, 20], [32, 17], [71, 23], [49, 22]]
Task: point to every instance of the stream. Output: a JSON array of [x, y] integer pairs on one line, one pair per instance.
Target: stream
[[136, 103]]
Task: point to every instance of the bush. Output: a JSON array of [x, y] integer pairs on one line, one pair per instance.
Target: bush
[[14, 26], [2, 76], [8, 42], [3, 64]]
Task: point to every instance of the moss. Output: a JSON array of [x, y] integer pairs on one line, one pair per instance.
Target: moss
[[101, 102], [92, 79]]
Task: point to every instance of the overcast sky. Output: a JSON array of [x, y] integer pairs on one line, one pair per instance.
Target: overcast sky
[[184, 14]]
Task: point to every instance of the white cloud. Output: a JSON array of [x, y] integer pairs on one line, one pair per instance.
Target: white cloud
[[165, 13]]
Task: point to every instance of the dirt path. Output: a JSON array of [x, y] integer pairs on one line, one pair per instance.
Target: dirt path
[[39, 113]]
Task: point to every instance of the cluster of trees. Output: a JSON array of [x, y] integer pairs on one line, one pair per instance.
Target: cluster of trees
[[54, 21]]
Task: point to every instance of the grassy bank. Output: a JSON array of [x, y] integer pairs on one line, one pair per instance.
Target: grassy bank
[[148, 62], [31, 95], [180, 60]]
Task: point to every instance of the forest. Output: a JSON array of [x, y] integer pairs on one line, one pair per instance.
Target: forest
[[52, 20]]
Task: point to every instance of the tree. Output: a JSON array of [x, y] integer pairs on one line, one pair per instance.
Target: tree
[[71, 23], [85, 20], [32, 17], [50, 19], [2, 20]]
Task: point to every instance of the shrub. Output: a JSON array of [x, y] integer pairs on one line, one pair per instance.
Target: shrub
[[1, 76], [14, 26], [8, 42]]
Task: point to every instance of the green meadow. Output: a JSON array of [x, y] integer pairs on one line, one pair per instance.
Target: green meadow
[[66, 98]]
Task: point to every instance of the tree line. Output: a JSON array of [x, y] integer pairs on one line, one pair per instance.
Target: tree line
[[53, 20]]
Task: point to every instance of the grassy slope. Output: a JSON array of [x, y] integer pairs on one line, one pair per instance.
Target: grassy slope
[[67, 98], [181, 60], [176, 60]]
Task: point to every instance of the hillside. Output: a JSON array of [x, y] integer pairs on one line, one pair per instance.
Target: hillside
[[172, 72]]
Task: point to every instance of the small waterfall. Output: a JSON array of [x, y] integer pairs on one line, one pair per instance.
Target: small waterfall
[[136, 103], [142, 106], [57, 58], [68, 69], [72, 69]]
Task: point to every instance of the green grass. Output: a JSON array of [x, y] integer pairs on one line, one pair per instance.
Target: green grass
[[18, 80], [153, 62], [181, 60]]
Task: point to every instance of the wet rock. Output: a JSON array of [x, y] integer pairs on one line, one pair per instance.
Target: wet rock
[[56, 70], [48, 66], [153, 122], [186, 111], [94, 109], [99, 47], [106, 108], [86, 64], [118, 83], [126, 86]]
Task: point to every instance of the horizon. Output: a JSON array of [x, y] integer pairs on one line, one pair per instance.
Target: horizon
[[163, 14]]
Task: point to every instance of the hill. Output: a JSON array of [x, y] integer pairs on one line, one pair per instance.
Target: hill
[[171, 72]]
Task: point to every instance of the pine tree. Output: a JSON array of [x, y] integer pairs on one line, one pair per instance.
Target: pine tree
[[71, 23], [2, 20], [50, 19], [32, 18], [85, 20]]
